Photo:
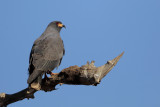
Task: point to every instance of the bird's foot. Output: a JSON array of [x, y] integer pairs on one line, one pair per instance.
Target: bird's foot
[[45, 77], [36, 86], [51, 73], [60, 84]]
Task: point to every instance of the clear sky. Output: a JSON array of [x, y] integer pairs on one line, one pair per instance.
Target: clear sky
[[96, 30]]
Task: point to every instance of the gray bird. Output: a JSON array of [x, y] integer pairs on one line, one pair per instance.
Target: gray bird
[[46, 54]]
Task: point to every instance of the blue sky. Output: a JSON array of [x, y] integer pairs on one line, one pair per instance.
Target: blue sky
[[96, 30]]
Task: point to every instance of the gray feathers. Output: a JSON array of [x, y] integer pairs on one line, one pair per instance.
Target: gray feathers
[[46, 53]]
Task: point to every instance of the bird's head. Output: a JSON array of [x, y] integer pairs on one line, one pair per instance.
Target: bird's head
[[57, 25]]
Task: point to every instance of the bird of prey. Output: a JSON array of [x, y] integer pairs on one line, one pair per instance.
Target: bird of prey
[[46, 54]]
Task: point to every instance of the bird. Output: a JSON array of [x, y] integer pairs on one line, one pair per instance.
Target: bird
[[46, 54]]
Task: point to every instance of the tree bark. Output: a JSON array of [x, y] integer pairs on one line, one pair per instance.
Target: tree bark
[[87, 74]]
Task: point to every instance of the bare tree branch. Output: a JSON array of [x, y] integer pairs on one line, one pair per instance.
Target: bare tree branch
[[87, 74]]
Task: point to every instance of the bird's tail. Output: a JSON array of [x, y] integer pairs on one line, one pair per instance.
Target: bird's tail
[[34, 76]]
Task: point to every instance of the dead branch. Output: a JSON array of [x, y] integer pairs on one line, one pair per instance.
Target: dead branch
[[87, 74]]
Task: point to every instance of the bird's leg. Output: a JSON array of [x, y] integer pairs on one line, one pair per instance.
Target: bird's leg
[[51, 73], [45, 77]]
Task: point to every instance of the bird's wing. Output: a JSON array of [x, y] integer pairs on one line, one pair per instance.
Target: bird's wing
[[46, 54], [63, 53]]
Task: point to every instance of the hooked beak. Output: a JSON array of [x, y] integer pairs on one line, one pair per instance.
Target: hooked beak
[[64, 26], [61, 25]]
